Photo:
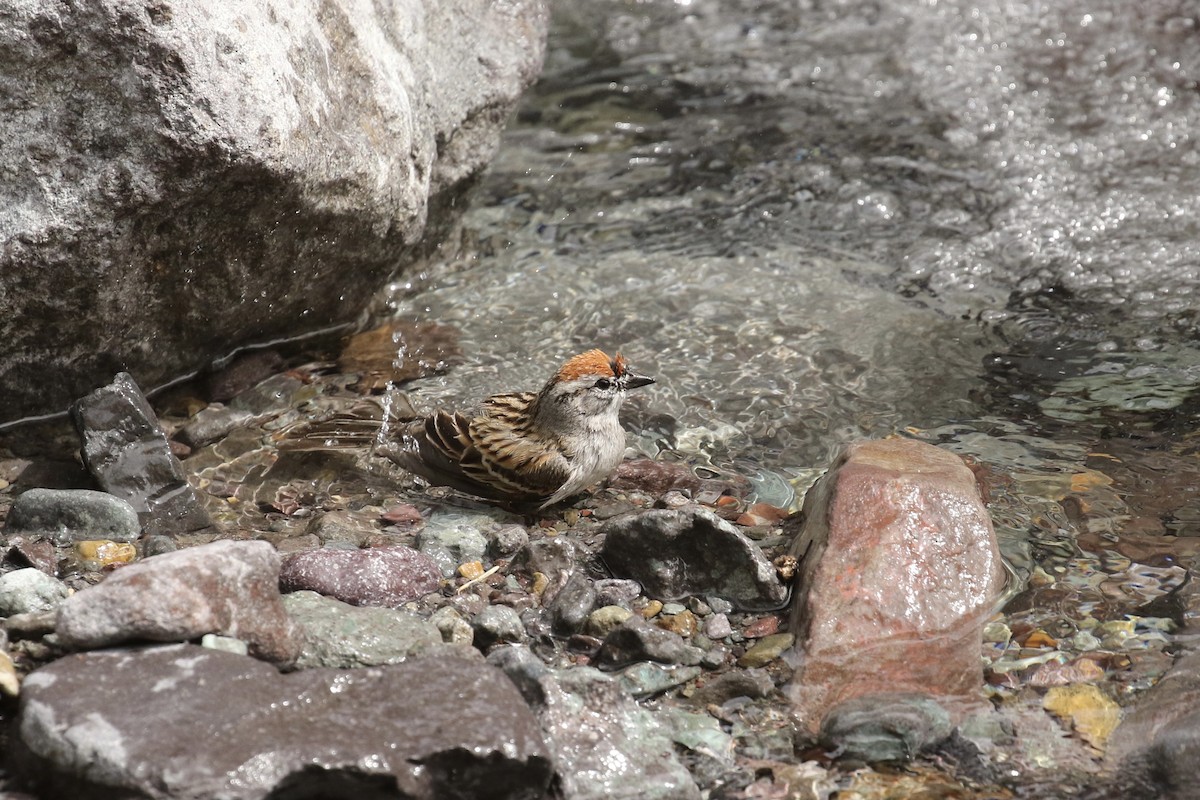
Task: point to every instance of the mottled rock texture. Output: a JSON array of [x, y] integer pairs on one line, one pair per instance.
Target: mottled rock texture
[[180, 178], [185, 722], [373, 576], [900, 569]]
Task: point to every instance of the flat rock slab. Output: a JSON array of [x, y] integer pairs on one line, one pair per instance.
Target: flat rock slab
[[674, 553], [228, 588], [373, 576], [70, 515], [185, 722], [900, 568]]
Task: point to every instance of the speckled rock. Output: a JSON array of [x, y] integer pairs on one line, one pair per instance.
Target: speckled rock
[[341, 636], [26, 591], [606, 619], [497, 625], [185, 722], [674, 553], [900, 570], [374, 576], [226, 587], [556, 557], [885, 727], [571, 606], [70, 515]]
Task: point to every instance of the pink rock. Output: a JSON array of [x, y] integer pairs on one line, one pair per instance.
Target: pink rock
[[374, 576], [230, 588], [900, 571]]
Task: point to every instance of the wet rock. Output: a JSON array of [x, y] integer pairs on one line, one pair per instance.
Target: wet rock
[[27, 591], [399, 351], [507, 540], [555, 557], [34, 552], [717, 626], [341, 636], [617, 592], [645, 679], [452, 626], [97, 554], [182, 721], [373, 576], [230, 588], [659, 477], [766, 650], [753, 683], [683, 623], [211, 424], [636, 640], [604, 744], [605, 619], [1155, 751], [497, 625], [146, 262], [453, 538], [570, 608], [69, 515], [677, 552], [126, 451], [900, 572], [884, 727]]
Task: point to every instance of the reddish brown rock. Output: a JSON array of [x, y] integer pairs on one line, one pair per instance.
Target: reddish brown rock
[[230, 588], [374, 576], [900, 569]]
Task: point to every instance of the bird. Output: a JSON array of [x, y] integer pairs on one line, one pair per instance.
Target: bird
[[524, 449]]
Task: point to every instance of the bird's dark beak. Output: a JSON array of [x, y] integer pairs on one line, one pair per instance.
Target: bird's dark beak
[[633, 380]]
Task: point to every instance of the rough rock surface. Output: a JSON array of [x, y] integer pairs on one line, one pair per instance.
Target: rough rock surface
[[182, 178], [1155, 751], [900, 570], [678, 552], [637, 640], [230, 588], [126, 451], [373, 576], [186, 722], [27, 591], [342, 636], [69, 515], [605, 745]]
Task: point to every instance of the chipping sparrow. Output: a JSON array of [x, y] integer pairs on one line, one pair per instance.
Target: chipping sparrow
[[530, 448]]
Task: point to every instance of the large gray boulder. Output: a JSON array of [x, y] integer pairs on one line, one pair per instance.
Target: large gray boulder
[[182, 177]]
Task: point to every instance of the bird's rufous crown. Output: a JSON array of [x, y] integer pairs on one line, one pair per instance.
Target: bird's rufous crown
[[593, 362]]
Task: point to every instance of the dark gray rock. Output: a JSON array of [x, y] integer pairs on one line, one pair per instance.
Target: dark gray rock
[[570, 608], [753, 683], [524, 669], [72, 515], [638, 640], [342, 636], [617, 592], [373, 576], [885, 727], [28, 591], [674, 553], [262, 175], [497, 625], [507, 540], [126, 451], [186, 722], [556, 557], [226, 587], [1155, 751], [211, 424]]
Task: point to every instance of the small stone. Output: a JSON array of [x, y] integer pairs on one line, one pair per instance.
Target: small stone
[[645, 679], [717, 626], [555, 557], [453, 538], [103, 553], [10, 683], [753, 683], [158, 544], [210, 424], [507, 540], [540, 583], [636, 640], [453, 626], [673, 608], [26, 591], [683, 623], [617, 592], [68, 515], [719, 605], [765, 626], [1085, 642], [786, 566], [698, 607], [226, 644], [33, 552], [403, 514], [650, 609], [997, 633], [497, 625], [571, 606], [375, 576], [341, 636], [1092, 714], [1039, 638], [471, 570], [885, 727], [605, 619], [766, 650]]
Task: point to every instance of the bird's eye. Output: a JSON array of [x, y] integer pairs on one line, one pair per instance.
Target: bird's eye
[[603, 383]]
